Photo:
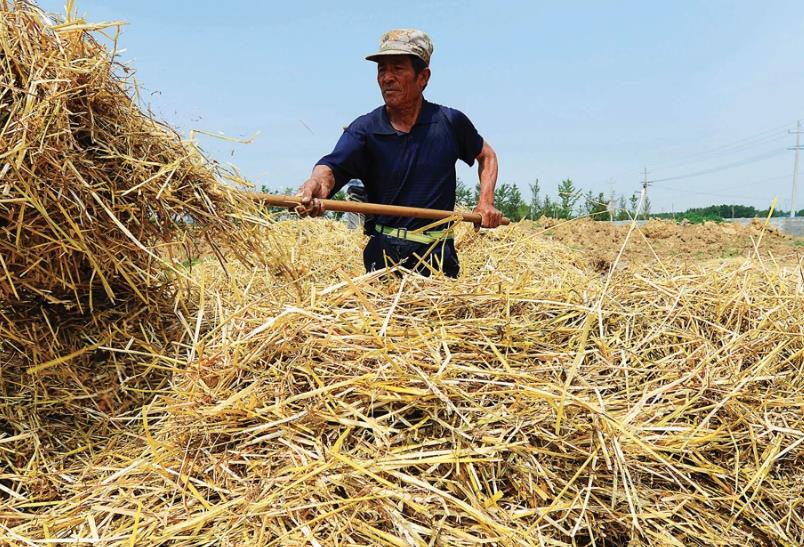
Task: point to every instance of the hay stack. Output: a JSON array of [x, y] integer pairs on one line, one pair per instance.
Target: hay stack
[[97, 205], [531, 401], [91, 190]]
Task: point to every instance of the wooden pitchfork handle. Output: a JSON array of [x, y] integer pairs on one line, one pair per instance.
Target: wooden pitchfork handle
[[372, 208]]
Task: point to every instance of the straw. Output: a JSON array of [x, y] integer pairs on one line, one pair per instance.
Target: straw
[[154, 392], [420, 411]]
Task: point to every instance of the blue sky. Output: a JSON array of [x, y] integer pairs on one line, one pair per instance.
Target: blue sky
[[590, 91]]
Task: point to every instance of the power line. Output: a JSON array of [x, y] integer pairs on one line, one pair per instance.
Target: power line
[[763, 137], [766, 136], [645, 183], [732, 165], [725, 192], [729, 152], [710, 194], [751, 183]]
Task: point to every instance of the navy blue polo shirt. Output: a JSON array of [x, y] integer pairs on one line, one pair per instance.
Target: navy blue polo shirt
[[415, 169]]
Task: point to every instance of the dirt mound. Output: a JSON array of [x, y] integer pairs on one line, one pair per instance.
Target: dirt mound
[[663, 241]]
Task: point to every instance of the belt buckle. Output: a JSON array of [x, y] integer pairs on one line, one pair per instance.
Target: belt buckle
[[401, 233]]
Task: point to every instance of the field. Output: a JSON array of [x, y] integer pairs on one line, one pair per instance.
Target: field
[[663, 241], [537, 399]]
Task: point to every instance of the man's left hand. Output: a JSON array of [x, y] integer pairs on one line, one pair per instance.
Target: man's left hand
[[491, 216]]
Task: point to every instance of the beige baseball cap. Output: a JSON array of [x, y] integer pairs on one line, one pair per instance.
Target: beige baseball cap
[[405, 41]]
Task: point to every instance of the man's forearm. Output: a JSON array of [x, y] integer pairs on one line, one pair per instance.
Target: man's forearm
[[487, 172], [320, 183]]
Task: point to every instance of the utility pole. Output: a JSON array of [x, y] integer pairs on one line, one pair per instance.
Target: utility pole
[[612, 212], [797, 147], [644, 195]]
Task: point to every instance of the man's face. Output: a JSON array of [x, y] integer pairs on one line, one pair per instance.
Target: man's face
[[399, 83]]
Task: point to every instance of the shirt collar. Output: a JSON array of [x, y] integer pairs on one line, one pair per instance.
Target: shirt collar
[[427, 116]]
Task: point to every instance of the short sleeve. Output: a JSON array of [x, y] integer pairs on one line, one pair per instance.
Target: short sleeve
[[470, 143], [348, 159]]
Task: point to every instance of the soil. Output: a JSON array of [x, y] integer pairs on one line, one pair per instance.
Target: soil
[[660, 240]]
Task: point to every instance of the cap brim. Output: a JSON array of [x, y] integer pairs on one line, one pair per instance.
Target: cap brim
[[376, 56]]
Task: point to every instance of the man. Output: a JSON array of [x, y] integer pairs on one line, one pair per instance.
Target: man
[[405, 154]]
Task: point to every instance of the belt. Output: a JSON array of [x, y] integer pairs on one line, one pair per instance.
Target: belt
[[419, 237]]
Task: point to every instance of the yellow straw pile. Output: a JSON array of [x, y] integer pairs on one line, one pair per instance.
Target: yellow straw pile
[[539, 399], [91, 188], [97, 200], [531, 401]]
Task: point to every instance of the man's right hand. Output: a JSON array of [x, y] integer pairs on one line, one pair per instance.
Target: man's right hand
[[310, 194], [314, 189], [490, 215]]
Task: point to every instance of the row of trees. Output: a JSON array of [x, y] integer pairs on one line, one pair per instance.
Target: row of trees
[[717, 213], [571, 202]]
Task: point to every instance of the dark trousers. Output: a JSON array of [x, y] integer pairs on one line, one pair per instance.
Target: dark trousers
[[382, 251]]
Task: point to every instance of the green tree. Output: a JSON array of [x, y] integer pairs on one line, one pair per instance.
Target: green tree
[[535, 207], [286, 191], [588, 203], [549, 209], [508, 199], [596, 206], [568, 197], [632, 211], [464, 195]]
